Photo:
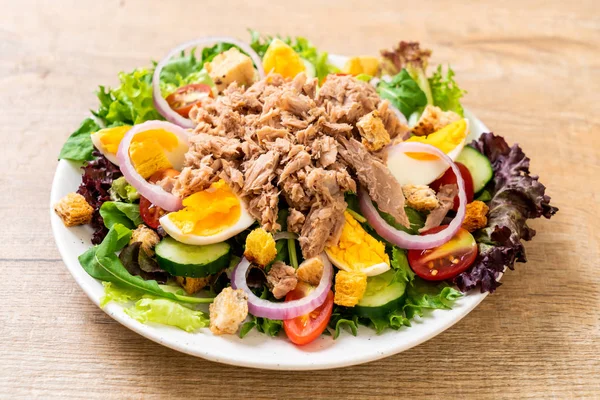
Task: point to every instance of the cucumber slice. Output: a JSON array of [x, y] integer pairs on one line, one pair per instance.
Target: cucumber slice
[[478, 165], [180, 259], [311, 71], [382, 296]]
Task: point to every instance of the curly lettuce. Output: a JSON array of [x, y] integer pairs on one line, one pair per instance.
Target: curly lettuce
[[445, 91], [516, 197]]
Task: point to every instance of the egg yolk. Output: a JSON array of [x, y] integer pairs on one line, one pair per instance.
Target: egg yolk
[[282, 59], [208, 212], [110, 138], [147, 151], [446, 139], [356, 248], [361, 65]]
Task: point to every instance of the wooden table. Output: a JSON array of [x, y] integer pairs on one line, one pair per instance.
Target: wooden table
[[532, 70]]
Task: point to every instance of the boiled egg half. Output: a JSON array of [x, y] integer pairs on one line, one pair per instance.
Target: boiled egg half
[[357, 251], [210, 216], [150, 151], [422, 169]]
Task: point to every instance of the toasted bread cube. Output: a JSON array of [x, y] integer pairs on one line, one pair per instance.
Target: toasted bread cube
[[349, 288], [230, 66], [147, 237], [260, 247], [192, 285], [310, 271], [420, 197], [476, 216], [228, 311], [433, 119], [373, 132], [74, 210]]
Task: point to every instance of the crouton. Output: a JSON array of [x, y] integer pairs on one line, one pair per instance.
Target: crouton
[[228, 311], [349, 288], [476, 216], [260, 247], [281, 279], [74, 210], [420, 197], [373, 132], [230, 66], [147, 237], [433, 119], [310, 271], [192, 285]]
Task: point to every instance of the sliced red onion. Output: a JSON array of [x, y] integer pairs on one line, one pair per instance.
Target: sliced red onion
[[406, 240], [161, 104], [154, 193], [284, 310], [285, 235]]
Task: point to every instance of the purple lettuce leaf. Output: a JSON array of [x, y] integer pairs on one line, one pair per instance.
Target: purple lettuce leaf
[[516, 197], [96, 180]]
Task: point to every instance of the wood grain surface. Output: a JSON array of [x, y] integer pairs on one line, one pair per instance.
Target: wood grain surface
[[532, 69]]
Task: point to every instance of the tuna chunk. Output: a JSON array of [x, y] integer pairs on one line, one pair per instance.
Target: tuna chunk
[[295, 220], [373, 174], [260, 171], [446, 199], [323, 226], [347, 99]]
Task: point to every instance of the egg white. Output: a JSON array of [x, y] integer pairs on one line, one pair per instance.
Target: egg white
[[408, 170], [375, 269], [244, 222], [98, 144]]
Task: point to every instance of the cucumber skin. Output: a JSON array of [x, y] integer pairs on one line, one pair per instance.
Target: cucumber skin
[[476, 163], [194, 270], [380, 311]]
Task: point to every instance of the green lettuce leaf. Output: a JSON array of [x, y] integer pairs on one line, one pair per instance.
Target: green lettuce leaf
[[130, 103], [126, 214], [101, 262], [422, 295], [403, 92], [270, 327], [79, 146], [445, 91], [121, 190], [187, 69], [167, 312], [118, 294]]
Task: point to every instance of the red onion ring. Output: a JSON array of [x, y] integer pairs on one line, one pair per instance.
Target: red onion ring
[[284, 310], [285, 235], [406, 240], [154, 193], [161, 104]]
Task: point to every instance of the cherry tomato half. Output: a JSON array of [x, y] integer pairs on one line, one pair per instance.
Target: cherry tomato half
[[306, 328], [450, 178], [184, 98], [149, 212], [446, 261]]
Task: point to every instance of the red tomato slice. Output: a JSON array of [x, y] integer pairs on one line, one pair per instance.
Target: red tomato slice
[[446, 261], [450, 178], [149, 212], [306, 328], [184, 98]]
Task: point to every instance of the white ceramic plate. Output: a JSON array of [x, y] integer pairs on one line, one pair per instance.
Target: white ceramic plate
[[255, 350]]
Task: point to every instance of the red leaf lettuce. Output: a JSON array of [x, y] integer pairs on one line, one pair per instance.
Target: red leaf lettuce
[[516, 197]]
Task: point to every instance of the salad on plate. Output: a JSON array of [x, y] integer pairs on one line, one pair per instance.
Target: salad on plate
[[235, 186]]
